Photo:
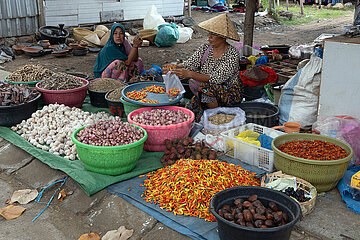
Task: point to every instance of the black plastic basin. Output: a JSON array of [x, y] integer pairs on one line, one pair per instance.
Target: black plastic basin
[[12, 115], [97, 99], [263, 114], [51, 33], [232, 231]]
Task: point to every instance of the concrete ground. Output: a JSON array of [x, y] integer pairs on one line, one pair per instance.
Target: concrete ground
[[102, 212]]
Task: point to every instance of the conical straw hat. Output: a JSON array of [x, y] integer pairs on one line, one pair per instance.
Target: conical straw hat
[[221, 25]]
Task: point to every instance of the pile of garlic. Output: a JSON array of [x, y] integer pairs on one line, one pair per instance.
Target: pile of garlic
[[50, 129]]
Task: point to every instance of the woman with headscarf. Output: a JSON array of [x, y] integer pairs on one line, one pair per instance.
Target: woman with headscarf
[[214, 68], [118, 59]]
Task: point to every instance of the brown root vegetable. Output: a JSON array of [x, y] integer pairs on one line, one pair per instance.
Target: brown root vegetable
[[277, 217], [269, 216], [253, 198], [259, 217], [228, 216], [239, 216], [273, 206], [257, 204], [260, 210], [264, 226], [269, 223], [227, 208], [247, 215], [221, 212], [247, 204], [285, 217], [252, 210], [249, 224], [238, 201], [241, 222], [258, 223]]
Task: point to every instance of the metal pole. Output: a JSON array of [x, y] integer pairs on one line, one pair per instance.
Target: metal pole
[[189, 8]]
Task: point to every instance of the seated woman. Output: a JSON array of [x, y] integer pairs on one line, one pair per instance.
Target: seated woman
[[214, 68], [118, 59]]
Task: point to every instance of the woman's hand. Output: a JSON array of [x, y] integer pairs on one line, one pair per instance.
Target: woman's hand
[[137, 41], [182, 72]]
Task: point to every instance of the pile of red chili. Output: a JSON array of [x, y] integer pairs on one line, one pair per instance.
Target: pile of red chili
[[186, 187], [136, 95], [154, 89], [313, 150]]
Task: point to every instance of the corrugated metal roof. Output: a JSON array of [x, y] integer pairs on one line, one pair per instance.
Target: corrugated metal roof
[[18, 17]]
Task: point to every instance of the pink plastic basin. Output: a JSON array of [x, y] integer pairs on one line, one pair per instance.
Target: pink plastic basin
[[72, 97], [157, 134]]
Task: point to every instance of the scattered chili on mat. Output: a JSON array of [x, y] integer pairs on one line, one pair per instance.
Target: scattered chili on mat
[[186, 187], [136, 95], [313, 150]]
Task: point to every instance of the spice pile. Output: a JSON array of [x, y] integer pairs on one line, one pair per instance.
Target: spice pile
[[106, 84], [29, 73], [50, 129], [252, 213], [221, 118], [161, 117], [14, 94], [110, 133], [186, 187], [61, 81], [313, 150], [185, 148]]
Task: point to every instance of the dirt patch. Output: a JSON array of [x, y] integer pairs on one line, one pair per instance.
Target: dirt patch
[[266, 31]]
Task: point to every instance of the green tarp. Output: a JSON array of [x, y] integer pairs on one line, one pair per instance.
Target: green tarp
[[90, 182]]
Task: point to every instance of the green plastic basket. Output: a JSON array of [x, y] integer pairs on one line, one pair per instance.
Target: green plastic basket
[[129, 107], [324, 175], [113, 160], [30, 84]]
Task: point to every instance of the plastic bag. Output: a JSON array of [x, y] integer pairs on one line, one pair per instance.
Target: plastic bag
[[249, 137], [344, 128], [152, 19], [167, 35], [173, 82], [185, 34], [238, 120]]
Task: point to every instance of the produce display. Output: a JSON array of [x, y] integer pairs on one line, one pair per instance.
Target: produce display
[[161, 117], [29, 73], [61, 81], [154, 89], [105, 85], [299, 194], [115, 95], [110, 133], [221, 118], [186, 187], [148, 101], [253, 213], [313, 150], [50, 129], [14, 94], [186, 148], [173, 92], [136, 95]]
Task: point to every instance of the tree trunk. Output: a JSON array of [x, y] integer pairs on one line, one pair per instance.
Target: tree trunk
[[287, 5], [302, 7], [249, 25], [270, 7]]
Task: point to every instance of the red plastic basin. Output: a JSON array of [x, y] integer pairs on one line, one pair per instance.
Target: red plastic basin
[[157, 134], [72, 97]]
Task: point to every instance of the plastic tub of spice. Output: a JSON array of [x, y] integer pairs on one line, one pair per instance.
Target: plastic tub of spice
[[28, 74], [11, 113], [323, 174], [99, 87], [63, 89]]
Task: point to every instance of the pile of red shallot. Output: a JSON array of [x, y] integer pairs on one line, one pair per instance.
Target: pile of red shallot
[[110, 133], [161, 117]]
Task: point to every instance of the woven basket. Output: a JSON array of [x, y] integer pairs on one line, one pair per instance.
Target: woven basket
[[80, 33], [306, 207], [148, 34]]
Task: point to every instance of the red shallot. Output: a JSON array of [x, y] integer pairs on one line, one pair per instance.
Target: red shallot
[[110, 133], [161, 117]]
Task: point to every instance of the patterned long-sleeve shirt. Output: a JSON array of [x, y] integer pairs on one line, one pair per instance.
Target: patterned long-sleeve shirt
[[220, 70]]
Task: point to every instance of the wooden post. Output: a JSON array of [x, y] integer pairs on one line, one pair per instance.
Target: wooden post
[[270, 6], [287, 5], [189, 7], [40, 5], [302, 7], [249, 25]]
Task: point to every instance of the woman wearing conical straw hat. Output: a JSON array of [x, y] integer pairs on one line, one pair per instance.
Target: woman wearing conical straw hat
[[214, 68]]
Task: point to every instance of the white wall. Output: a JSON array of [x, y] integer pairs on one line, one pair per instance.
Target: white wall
[[340, 80], [73, 13]]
